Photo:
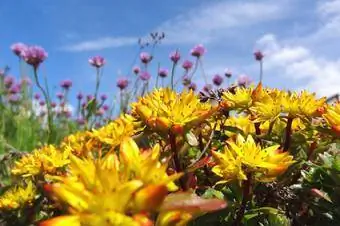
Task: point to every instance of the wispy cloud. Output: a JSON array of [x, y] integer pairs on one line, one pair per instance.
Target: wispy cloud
[[100, 44], [215, 21], [299, 63]]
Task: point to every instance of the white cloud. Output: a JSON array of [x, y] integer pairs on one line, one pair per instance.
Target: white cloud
[[100, 44], [214, 21], [297, 63]]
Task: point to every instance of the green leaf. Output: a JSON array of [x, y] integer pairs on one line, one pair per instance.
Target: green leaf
[[212, 193]]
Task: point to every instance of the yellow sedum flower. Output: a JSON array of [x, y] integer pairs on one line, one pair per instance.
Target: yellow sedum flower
[[245, 155], [46, 161], [18, 197], [112, 191], [332, 117], [146, 166], [302, 104], [166, 111], [241, 122], [113, 133], [241, 99]]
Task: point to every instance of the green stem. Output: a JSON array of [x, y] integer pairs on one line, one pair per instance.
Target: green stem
[[288, 134], [173, 75], [49, 116], [261, 70], [178, 166], [247, 192]]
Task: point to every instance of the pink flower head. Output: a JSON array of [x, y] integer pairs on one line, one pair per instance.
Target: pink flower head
[[37, 96], [163, 72], [53, 104], [13, 99], [103, 97], [145, 76], [97, 61], [100, 112], [187, 65], [106, 107], [66, 84], [207, 88], [80, 96], [15, 89], [122, 83], [243, 80], [80, 121], [60, 96], [8, 81], [67, 113], [41, 103], [186, 80], [89, 97], [218, 80], [136, 70], [192, 86], [34, 55], [145, 57], [175, 56], [62, 104], [198, 50], [18, 48], [258, 55], [26, 81], [227, 73]]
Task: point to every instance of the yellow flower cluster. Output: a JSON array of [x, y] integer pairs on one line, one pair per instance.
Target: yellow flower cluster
[[244, 156], [18, 196], [166, 111], [114, 190], [104, 178]]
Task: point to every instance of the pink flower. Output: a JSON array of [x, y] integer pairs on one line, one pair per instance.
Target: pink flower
[[100, 112], [198, 51], [80, 96], [53, 104], [8, 81], [97, 61], [145, 57], [66, 84], [186, 80], [243, 80], [258, 55], [106, 107], [145, 76], [163, 72], [89, 97], [80, 121], [15, 89], [34, 55], [218, 80], [18, 48], [103, 97], [175, 56], [207, 88], [187, 65], [227, 73], [122, 83], [37, 96], [60, 96], [192, 86], [41, 103], [136, 70], [26, 81]]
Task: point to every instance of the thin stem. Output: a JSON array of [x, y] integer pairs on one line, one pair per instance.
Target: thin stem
[[177, 162], [202, 70], [247, 192], [288, 134], [47, 101], [261, 70], [159, 66], [97, 83], [195, 68], [173, 75]]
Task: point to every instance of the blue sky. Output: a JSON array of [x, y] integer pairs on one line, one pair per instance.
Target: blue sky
[[300, 38]]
